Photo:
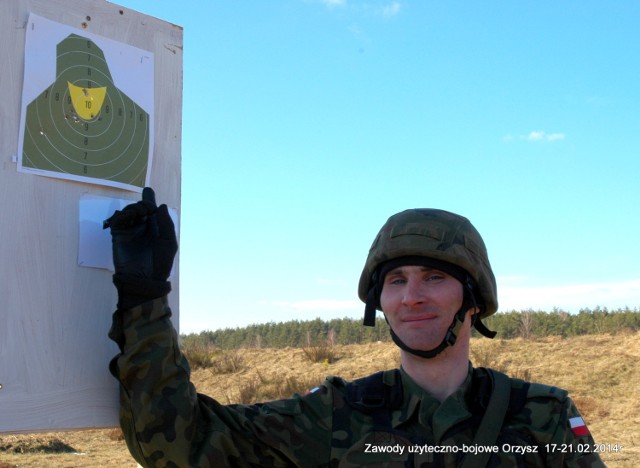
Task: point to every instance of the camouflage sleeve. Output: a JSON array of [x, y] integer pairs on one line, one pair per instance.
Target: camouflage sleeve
[[166, 423], [572, 444]]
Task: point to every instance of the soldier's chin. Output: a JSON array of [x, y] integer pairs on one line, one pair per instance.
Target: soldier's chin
[[422, 345]]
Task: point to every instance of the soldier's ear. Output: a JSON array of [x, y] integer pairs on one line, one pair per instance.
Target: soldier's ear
[[473, 314], [473, 310]]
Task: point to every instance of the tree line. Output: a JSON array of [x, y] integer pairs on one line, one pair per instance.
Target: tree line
[[525, 323]]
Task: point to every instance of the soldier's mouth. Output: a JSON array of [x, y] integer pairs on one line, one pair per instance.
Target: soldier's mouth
[[419, 317]]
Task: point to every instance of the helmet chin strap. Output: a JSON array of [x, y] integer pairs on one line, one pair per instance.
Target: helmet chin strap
[[449, 338]]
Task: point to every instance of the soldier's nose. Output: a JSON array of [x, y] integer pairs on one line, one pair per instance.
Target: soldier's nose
[[413, 294]]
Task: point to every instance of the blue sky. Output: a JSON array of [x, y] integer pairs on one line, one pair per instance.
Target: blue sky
[[307, 123]]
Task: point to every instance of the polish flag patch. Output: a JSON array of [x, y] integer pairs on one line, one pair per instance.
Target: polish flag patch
[[578, 427]]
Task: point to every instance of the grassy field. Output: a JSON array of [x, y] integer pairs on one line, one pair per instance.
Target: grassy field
[[602, 372]]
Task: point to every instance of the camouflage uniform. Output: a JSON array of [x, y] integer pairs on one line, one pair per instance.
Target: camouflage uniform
[[166, 423]]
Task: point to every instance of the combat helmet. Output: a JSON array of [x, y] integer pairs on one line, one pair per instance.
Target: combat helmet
[[441, 239]]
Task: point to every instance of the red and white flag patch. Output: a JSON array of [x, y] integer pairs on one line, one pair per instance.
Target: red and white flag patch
[[578, 426]]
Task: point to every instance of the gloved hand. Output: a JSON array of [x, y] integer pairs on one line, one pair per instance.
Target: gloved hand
[[144, 246]]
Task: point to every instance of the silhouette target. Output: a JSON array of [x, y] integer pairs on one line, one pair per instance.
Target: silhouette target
[[82, 124]]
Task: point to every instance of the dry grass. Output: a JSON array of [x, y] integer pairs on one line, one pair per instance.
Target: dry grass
[[602, 372]]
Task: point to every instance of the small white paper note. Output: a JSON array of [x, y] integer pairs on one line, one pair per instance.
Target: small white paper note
[[94, 248]]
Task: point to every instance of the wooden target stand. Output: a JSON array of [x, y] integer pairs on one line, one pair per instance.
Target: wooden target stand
[[88, 124]]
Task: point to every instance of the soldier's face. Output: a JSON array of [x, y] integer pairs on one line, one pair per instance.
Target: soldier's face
[[420, 303]]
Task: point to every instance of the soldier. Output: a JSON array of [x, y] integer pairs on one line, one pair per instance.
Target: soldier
[[429, 273]]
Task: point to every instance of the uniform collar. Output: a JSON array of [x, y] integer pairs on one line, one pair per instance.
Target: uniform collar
[[431, 414]]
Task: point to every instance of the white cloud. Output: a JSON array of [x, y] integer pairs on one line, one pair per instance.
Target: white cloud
[[318, 304], [391, 9], [542, 136], [333, 3], [513, 294], [534, 136], [555, 136], [325, 304]]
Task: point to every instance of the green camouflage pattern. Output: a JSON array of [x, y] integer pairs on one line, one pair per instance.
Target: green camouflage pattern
[[435, 234], [167, 424]]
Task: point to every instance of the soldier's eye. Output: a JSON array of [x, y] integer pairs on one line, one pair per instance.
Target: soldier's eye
[[434, 277], [395, 280]]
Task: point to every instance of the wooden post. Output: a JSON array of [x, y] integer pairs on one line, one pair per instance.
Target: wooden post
[[55, 314]]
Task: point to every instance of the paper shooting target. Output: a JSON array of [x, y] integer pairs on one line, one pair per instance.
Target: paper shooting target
[[82, 126]]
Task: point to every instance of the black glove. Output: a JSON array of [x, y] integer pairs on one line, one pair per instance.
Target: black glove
[[144, 246]]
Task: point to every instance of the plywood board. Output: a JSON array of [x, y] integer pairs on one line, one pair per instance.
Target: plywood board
[[56, 314]]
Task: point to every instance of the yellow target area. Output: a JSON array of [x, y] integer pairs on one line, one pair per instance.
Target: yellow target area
[[87, 102]]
